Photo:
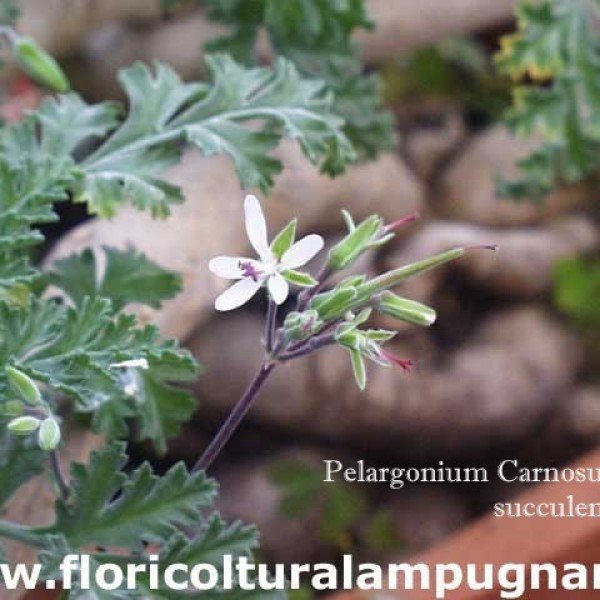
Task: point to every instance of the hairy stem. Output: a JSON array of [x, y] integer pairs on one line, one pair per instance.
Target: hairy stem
[[19, 533], [310, 346], [270, 325], [63, 486], [234, 419]]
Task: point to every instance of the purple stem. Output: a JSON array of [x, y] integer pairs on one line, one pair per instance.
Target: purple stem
[[234, 419], [63, 486], [270, 325], [313, 344]]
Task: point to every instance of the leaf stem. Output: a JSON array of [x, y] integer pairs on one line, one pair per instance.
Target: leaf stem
[[19, 533], [63, 486], [234, 419]]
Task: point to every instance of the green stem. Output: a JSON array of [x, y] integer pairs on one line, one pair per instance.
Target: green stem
[[20, 533]]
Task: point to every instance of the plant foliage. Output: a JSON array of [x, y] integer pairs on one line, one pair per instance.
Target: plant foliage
[[555, 57], [80, 349], [316, 35]]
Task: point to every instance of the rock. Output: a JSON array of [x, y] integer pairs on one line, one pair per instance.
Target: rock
[[249, 493], [402, 25], [424, 515], [61, 25], [467, 188], [385, 186], [113, 46], [579, 413], [521, 267], [429, 146]]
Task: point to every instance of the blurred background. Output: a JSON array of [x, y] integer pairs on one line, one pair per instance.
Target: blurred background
[[510, 370]]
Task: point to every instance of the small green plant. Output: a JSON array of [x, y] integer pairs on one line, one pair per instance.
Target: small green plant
[[577, 289], [555, 57], [316, 35], [82, 351], [347, 518]]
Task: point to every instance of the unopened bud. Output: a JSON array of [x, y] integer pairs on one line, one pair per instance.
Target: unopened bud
[[49, 434], [301, 325], [23, 425], [12, 408], [360, 239], [393, 278], [405, 310], [24, 386], [39, 65]]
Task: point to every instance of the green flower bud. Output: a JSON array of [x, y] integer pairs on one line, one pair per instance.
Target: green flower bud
[[23, 425], [39, 65], [12, 408], [24, 386], [393, 278], [49, 434], [360, 239], [405, 310], [301, 325]]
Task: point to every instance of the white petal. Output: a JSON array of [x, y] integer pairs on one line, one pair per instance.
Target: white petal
[[227, 267], [302, 251], [278, 288], [256, 227], [239, 293]]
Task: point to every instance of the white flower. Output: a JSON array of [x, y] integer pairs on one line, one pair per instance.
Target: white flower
[[267, 269]]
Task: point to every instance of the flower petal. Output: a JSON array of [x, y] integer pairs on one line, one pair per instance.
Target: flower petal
[[227, 267], [302, 251], [256, 227], [239, 293], [278, 288]]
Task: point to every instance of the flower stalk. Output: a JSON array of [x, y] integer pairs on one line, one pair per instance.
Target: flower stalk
[[322, 317]]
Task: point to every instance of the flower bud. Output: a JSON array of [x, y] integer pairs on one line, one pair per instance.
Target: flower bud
[[23, 425], [49, 434], [301, 325], [24, 386], [39, 65], [405, 310], [393, 278], [360, 239], [12, 408]]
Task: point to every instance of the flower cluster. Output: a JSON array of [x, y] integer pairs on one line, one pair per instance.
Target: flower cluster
[[325, 316]]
